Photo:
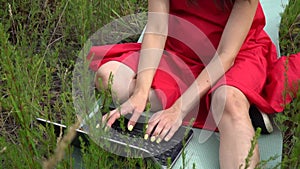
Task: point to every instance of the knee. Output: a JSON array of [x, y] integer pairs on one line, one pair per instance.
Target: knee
[[231, 103], [103, 77]]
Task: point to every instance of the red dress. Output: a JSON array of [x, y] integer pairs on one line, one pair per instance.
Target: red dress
[[193, 36]]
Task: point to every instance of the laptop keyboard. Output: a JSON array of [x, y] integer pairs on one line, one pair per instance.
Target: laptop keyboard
[[166, 153], [163, 153]]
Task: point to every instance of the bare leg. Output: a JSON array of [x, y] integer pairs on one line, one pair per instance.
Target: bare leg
[[230, 109], [123, 83]]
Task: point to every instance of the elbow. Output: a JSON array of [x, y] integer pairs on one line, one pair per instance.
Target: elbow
[[157, 29], [227, 61], [228, 64], [157, 24]]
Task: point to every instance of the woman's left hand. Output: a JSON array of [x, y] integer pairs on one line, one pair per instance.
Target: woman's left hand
[[165, 122]]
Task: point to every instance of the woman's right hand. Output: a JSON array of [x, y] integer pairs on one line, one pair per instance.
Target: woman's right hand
[[135, 105]]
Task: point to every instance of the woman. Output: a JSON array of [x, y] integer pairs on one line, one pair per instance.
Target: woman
[[221, 61]]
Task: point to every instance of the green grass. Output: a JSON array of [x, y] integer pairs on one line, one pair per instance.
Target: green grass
[[288, 121], [39, 44], [290, 28]]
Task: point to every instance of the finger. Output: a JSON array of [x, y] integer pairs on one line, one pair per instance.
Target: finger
[[163, 133], [134, 118], [171, 133], [113, 117], [150, 128], [157, 131], [106, 117]]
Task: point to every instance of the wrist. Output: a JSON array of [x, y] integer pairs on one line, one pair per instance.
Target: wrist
[[142, 94], [177, 108]]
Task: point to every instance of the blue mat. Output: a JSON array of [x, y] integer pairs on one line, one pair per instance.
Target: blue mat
[[273, 10], [206, 155]]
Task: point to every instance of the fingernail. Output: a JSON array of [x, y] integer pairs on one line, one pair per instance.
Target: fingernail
[[97, 126], [146, 136], [158, 140], [105, 128], [152, 138], [130, 127], [146, 126], [167, 139]]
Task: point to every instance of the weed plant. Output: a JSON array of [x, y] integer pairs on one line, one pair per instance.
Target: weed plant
[[39, 44], [288, 121]]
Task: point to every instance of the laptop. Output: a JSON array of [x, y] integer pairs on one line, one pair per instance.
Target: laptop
[[122, 142]]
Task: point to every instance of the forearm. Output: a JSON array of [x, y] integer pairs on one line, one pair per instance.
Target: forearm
[[153, 44], [150, 55], [205, 80]]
